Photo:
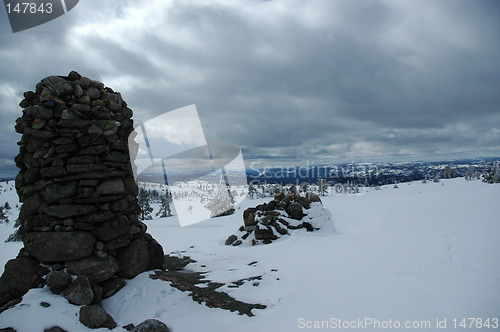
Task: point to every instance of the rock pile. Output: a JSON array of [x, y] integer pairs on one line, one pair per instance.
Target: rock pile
[[285, 213], [80, 213]]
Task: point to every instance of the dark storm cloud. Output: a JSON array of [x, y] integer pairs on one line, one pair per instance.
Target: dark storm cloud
[[287, 80]]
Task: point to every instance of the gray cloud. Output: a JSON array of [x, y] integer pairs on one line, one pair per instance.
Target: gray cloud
[[287, 80]]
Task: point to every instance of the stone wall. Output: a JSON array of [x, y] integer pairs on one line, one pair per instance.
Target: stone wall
[[80, 211]]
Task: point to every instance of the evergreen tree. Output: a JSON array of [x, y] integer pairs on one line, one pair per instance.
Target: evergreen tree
[[220, 205], [469, 175], [145, 208], [17, 235], [3, 217], [165, 210], [252, 192], [322, 187], [448, 172], [492, 175]]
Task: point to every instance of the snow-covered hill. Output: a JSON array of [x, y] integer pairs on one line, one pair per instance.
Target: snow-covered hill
[[414, 255]]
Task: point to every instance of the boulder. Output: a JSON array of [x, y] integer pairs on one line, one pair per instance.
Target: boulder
[[58, 86], [151, 325], [53, 193], [133, 259], [155, 254], [111, 286], [94, 317], [69, 210], [55, 329], [20, 275], [79, 292], [57, 281], [111, 186], [263, 233], [295, 211], [95, 269], [59, 246], [111, 229], [231, 239]]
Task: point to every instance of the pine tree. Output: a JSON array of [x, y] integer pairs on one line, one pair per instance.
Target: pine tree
[[322, 187], [220, 205], [145, 207], [492, 175], [17, 235], [165, 210], [3, 217], [252, 192], [470, 173], [448, 172]]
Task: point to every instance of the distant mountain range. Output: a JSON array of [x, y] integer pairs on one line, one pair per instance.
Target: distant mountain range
[[371, 173], [366, 172]]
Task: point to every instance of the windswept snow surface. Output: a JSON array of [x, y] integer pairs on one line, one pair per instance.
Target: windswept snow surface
[[417, 254]]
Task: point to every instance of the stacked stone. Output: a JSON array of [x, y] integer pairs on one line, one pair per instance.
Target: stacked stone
[[80, 210], [270, 221]]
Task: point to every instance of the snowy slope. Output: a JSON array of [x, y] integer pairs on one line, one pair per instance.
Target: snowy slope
[[419, 253]]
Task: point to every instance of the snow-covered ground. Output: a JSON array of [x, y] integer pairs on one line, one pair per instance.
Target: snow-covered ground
[[417, 255]]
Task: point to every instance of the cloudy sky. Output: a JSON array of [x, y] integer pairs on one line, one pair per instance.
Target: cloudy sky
[[289, 81]]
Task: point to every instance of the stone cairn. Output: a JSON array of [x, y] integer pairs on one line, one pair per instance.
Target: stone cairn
[[80, 213], [286, 212]]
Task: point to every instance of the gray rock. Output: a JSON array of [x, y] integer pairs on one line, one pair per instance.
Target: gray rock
[[118, 242], [95, 269], [55, 329], [67, 148], [111, 286], [40, 112], [93, 93], [58, 85], [77, 123], [111, 186], [44, 134], [90, 140], [78, 91], [312, 197], [57, 281], [264, 233], [69, 210], [94, 317], [115, 101], [82, 108], [96, 217], [155, 253], [133, 259], [81, 168], [8, 329], [295, 211], [151, 325], [94, 150], [79, 292], [119, 205], [52, 172], [95, 130], [53, 193], [20, 275], [30, 206], [69, 115], [230, 240], [82, 160], [59, 246]]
